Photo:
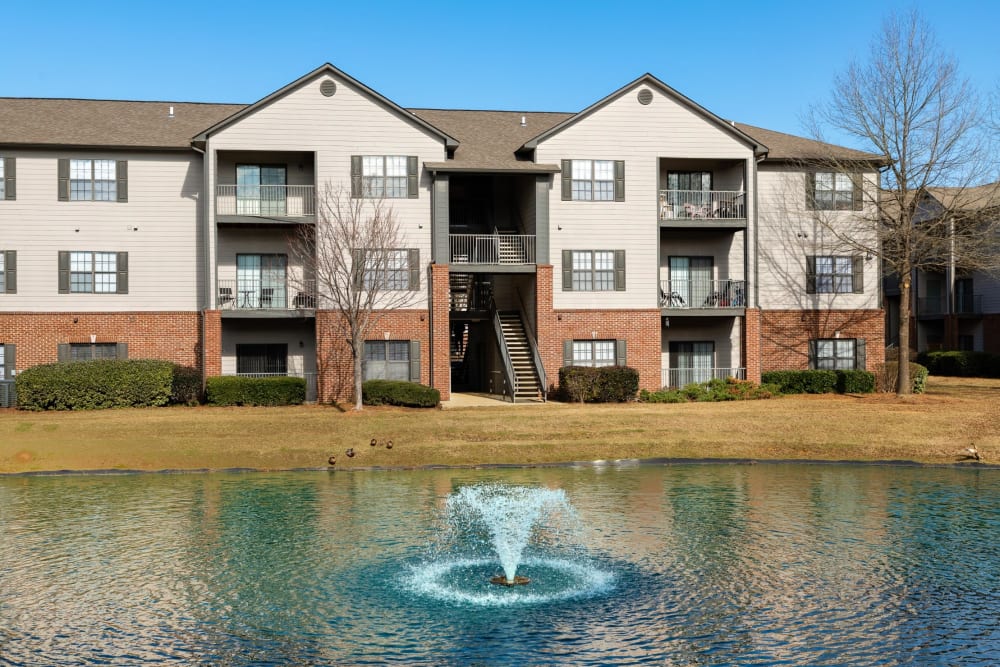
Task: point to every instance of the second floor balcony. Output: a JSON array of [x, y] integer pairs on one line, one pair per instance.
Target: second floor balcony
[[295, 202], [696, 295], [492, 249], [937, 306], [262, 295], [703, 207]]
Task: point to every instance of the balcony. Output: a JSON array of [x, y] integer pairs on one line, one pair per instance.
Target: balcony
[[513, 250], [702, 208], [703, 296], [675, 378], [254, 203], [275, 298], [936, 306]]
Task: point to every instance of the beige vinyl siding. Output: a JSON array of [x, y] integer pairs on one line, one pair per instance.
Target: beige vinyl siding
[[640, 135], [158, 227], [788, 233]]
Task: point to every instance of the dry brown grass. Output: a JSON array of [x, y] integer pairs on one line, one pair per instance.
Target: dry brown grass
[[934, 427]]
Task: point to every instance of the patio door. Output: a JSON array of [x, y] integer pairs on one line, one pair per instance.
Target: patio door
[[690, 187], [260, 281], [260, 189], [691, 362], [690, 281], [261, 359]]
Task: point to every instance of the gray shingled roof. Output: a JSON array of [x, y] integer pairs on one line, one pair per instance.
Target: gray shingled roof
[[783, 146], [106, 123]]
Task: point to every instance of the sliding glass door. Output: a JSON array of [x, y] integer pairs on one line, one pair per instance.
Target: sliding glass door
[[690, 281], [260, 281], [260, 189], [691, 362]]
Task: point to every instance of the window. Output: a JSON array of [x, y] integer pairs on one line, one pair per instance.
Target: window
[[833, 191], [390, 269], [593, 270], [93, 272], [691, 362], [91, 351], [260, 281], [838, 354], [389, 176], [3, 365], [593, 353], [8, 272], [392, 360], [261, 359], [260, 189], [593, 180], [833, 274], [92, 180]]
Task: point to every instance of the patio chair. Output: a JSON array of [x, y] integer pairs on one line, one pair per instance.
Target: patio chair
[[266, 297], [225, 296]]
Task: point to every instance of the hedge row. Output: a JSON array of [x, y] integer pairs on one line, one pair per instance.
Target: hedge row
[[399, 392], [962, 364], [239, 390], [94, 385], [821, 381], [729, 389], [605, 384]]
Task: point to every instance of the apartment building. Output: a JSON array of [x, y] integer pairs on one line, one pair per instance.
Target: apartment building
[[643, 230]]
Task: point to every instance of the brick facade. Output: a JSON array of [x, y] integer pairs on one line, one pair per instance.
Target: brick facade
[[785, 335], [213, 343], [172, 336], [751, 344]]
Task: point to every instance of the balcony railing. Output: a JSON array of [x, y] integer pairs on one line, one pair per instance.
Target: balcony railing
[[965, 304], [265, 201], [702, 205], [680, 294], [266, 294], [675, 378], [492, 248]]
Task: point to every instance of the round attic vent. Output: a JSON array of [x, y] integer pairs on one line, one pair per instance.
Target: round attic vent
[[328, 88], [645, 96]]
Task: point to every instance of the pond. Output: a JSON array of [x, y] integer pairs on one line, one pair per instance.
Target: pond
[[685, 564]]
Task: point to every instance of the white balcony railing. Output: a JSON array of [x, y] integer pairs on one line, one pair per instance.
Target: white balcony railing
[[266, 294], [265, 201], [685, 293], [675, 378], [702, 205], [492, 248]]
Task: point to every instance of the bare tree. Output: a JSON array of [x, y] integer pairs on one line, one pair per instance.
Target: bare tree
[[354, 253], [907, 102]]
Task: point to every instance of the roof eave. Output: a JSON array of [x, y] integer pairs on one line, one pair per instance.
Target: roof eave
[[440, 167]]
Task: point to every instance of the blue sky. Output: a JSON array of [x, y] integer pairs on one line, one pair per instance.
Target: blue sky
[[761, 63]]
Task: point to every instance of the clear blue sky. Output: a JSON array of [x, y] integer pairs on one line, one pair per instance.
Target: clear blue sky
[[758, 62]]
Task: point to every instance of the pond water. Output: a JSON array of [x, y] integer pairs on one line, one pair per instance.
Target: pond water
[[679, 565]]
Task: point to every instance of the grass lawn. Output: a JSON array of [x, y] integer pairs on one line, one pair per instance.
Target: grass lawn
[[932, 428]]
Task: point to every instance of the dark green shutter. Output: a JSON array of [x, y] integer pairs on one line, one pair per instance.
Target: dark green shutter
[[567, 180], [122, 351], [811, 191], [62, 352], [122, 174], [358, 267], [621, 358], [356, 176], [10, 271], [859, 274], [619, 270], [63, 272], [859, 354], [619, 180], [9, 361], [122, 267], [810, 274], [567, 353], [414, 361], [63, 183], [414, 260], [858, 191], [412, 177], [812, 354], [10, 178], [567, 270]]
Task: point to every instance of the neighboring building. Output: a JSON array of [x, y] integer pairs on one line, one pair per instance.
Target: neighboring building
[[643, 230], [951, 308]]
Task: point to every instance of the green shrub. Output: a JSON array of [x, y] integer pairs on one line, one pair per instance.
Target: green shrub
[[855, 382], [94, 385], [802, 382], [605, 384], [239, 390], [962, 364], [888, 377], [186, 386], [399, 392], [729, 389]]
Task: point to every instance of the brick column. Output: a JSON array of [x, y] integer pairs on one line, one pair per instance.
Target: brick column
[[751, 344], [549, 345], [440, 336], [212, 344]]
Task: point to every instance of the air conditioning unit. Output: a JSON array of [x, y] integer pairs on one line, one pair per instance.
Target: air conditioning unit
[[8, 394]]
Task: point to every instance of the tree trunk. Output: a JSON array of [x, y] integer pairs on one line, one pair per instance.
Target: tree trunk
[[903, 385]]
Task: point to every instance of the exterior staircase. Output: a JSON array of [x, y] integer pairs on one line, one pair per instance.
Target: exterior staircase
[[461, 290], [528, 386], [509, 250]]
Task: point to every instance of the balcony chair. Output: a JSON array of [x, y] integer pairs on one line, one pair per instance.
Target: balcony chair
[[266, 297], [225, 297]]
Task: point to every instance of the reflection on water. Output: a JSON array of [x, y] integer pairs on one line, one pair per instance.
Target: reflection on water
[[742, 565]]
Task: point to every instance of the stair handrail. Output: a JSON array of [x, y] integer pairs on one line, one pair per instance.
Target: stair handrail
[[508, 367], [533, 344]]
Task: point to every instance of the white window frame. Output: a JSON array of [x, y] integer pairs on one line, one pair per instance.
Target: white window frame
[[384, 177], [3, 266], [93, 180], [93, 272], [834, 274], [833, 191], [593, 180], [595, 353], [91, 348], [593, 270], [387, 360], [3, 193], [832, 354], [387, 270]]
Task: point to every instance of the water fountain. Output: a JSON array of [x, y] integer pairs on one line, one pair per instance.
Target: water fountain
[[513, 527]]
